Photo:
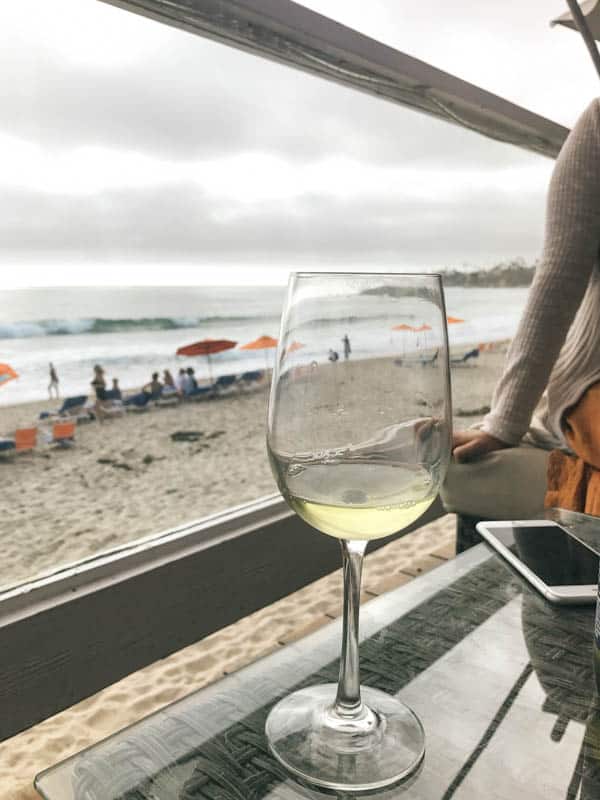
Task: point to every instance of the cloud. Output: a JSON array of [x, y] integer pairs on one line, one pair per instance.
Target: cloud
[[202, 100], [139, 142], [189, 225]]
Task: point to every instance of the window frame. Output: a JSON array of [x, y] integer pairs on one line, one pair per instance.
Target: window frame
[[75, 631], [67, 635]]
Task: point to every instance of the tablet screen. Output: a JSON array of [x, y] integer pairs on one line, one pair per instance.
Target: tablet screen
[[557, 558]]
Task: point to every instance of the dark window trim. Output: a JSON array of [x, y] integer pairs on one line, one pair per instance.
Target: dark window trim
[[291, 34], [69, 635]]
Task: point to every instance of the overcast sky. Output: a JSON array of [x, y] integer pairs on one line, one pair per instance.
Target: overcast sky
[[133, 153]]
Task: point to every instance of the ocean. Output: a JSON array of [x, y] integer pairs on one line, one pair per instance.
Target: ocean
[[133, 331]]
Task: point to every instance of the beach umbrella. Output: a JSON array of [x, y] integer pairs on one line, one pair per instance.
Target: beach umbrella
[[291, 348], [6, 374], [206, 347], [262, 343], [454, 320], [403, 327]]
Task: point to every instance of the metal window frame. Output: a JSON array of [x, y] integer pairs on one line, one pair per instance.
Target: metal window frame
[[71, 633], [293, 35]]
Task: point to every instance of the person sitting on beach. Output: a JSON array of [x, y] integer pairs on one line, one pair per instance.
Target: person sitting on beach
[[192, 383], [155, 387], [182, 382], [549, 393], [116, 390], [168, 383], [333, 356]]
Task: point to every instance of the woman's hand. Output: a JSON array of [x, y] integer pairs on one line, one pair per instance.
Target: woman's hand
[[472, 445]]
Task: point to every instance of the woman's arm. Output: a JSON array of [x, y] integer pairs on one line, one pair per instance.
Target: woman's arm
[[572, 242]]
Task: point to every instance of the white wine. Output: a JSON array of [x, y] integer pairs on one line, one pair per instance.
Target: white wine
[[356, 500]]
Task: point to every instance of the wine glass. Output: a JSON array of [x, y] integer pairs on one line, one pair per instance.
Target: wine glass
[[359, 439]]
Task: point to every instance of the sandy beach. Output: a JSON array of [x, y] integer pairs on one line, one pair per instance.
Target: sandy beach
[[128, 478]]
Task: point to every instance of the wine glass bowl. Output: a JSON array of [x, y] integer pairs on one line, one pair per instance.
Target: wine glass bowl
[[359, 445]]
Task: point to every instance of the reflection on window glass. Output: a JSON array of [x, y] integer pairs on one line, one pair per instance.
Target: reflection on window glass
[[157, 192]]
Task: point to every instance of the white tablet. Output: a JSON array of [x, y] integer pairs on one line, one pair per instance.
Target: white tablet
[[559, 566]]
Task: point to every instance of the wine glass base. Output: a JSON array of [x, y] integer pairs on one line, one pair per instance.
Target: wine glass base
[[385, 746]]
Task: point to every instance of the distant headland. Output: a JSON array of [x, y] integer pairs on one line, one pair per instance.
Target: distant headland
[[504, 275], [507, 274]]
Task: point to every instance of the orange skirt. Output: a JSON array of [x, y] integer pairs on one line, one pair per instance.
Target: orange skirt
[[573, 482]]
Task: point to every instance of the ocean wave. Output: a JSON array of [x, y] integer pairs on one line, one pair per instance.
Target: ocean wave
[[69, 327]]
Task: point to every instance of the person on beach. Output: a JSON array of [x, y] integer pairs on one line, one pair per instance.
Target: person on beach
[[168, 379], [192, 383], [333, 356], [347, 348], [116, 390], [549, 393], [181, 382], [154, 387], [53, 385], [98, 384]]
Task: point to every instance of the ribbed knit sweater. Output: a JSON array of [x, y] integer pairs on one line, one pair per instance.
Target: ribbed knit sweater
[[556, 351]]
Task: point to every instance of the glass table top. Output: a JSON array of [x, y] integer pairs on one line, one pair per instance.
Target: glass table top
[[502, 681]]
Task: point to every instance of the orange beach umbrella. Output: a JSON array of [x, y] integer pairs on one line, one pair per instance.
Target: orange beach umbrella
[[454, 320], [404, 327], [262, 343], [291, 348], [206, 347], [6, 374]]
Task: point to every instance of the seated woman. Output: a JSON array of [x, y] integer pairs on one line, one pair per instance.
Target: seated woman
[[553, 364], [169, 387], [154, 388]]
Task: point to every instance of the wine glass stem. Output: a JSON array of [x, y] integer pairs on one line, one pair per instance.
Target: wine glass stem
[[348, 702]]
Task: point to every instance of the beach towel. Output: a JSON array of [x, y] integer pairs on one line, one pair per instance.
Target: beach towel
[[574, 480]]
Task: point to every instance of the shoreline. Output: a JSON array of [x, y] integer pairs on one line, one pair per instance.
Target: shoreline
[[135, 476]]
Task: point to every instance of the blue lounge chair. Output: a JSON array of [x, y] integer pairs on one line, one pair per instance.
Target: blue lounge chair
[[225, 383], [139, 400], [424, 361], [251, 379], [200, 392], [462, 360], [71, 405]]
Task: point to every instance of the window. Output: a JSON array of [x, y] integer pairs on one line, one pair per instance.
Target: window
[[139, 161]]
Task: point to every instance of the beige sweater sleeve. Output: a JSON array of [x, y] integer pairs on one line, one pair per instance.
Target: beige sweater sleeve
[[572, 241]]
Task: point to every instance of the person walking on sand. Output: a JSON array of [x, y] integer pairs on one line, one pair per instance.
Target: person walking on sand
[[347, 348], [53, 385]]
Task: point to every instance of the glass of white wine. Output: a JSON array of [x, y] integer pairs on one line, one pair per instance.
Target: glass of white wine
[[359, 438]]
